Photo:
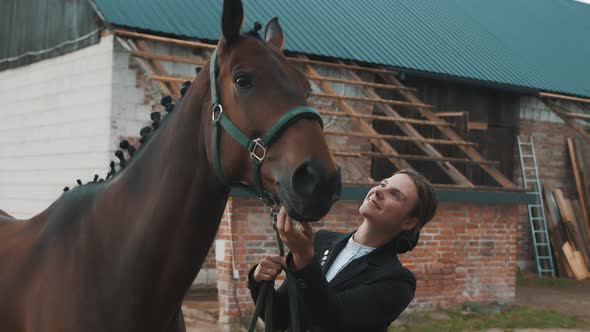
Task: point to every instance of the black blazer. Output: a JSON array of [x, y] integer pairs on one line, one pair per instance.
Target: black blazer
[[367, 295]]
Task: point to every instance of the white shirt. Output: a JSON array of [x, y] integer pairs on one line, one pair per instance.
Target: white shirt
[[352, 251]]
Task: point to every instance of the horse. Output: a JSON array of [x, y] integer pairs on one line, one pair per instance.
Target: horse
[[120, 254]]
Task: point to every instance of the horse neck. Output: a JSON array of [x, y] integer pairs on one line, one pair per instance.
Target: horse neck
[[169, 203]]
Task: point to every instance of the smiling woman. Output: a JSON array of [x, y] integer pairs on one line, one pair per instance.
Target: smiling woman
[[354, 281]]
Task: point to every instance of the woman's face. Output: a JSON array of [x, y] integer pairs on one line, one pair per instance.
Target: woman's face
[[388, 205]]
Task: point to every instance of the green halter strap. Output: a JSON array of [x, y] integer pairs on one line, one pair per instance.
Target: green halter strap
[[258, 146]]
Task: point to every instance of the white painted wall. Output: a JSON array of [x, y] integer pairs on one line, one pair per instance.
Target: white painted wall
[[55, 126]]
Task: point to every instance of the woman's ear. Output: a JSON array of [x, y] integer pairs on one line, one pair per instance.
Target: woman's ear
[[409, 223]]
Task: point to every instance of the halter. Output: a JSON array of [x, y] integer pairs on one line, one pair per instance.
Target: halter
[[257, 147]]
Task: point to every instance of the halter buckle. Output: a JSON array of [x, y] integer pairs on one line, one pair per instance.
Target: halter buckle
[[257, 146], [217, 112]]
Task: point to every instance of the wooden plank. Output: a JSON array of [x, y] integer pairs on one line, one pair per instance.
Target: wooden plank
[[578, 267], [157, 67], [384, 118], [175, 41], [568, 217], [584, 237], [359, 83], [370, 100], [409, 130], [379, 143], [559, 111], [397, 138], [165, 57], [574, 153], [450, 114], [450, 134], [476, 125], [564, 97], [354, 154], [556, 236], [583, 159]]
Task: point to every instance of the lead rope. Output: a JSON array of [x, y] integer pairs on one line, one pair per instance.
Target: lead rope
[[266, 295]]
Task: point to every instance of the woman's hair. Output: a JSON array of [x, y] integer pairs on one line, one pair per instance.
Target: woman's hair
[[424, 210]]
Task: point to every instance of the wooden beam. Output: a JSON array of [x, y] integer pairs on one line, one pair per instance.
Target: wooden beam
[[559, 111], [359, 83], [370, 100], [577, 115], [450, 134], [354, 154], [170, 58], [397, 138], [157, 67], [170, 78], [564, 97], [410, 131], [175, 41], [379, 143], [441, 186], [385, 118], [340, 65]]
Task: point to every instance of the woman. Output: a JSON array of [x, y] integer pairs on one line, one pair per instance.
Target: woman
[[353, 282]]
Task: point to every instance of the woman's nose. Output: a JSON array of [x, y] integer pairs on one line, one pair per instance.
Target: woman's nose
[[379, 193]]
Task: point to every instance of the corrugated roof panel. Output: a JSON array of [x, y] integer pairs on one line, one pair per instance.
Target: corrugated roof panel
[[540, 44]]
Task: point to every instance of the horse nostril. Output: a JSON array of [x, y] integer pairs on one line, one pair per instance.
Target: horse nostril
[[306, 178]]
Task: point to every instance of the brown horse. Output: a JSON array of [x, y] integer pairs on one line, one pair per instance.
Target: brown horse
[[121, 254]]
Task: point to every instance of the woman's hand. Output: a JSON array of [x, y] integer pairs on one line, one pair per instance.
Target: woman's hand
[[268, 268], [298, 239]]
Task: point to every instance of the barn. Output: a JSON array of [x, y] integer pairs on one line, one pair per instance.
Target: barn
[[448, 88]]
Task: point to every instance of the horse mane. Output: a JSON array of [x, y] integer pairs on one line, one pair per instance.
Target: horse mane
[[145, 133]]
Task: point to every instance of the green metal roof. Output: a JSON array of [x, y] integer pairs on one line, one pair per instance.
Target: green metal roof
[[538, 44]]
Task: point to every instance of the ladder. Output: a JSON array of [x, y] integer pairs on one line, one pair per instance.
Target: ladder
[[536, 211]]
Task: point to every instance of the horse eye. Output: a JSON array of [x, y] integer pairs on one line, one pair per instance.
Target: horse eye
[[309, 92], [243, 81]]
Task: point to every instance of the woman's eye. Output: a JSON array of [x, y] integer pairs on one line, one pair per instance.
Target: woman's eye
[[243, 81], [382, 185]]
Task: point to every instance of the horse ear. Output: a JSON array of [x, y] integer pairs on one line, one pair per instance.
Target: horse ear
[[273, 34], [231, 19]]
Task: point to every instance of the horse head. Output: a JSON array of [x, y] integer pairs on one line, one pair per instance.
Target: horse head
[[271, 128]]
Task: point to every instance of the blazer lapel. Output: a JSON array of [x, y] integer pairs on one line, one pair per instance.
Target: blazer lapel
[[350, 271], [331, 251]]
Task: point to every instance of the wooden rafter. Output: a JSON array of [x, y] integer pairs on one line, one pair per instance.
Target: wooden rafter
[[355, 154], [384, 118], [379, 143], [370, 100], [561, 112], [398, 138], [427, 148], [450, 134], [357, 83], [564, 97]]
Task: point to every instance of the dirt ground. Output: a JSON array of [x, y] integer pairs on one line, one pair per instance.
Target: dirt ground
[[565, 296]]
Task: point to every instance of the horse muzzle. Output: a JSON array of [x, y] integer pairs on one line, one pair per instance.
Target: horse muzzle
[[308, 192]]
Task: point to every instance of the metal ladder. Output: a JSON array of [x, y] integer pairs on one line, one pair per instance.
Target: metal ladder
[[536, 211]]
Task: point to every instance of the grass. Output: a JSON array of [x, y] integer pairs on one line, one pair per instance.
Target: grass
[[483, 317]]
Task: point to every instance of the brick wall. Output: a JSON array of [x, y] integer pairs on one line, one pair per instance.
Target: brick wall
[[466, 253], [55, 126], [549, 134]]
